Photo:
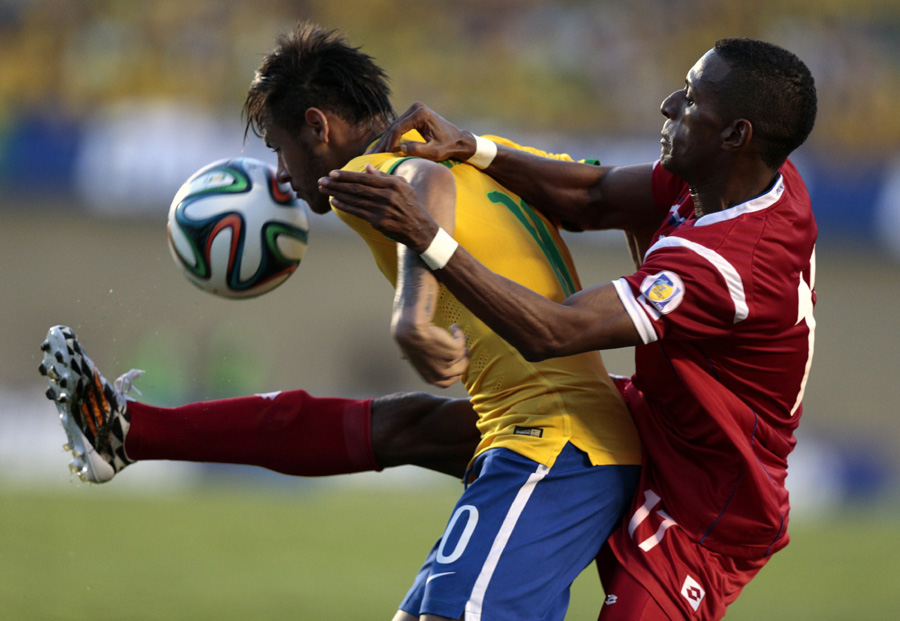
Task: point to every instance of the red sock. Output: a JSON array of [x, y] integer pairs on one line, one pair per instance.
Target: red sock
[[290, 432]]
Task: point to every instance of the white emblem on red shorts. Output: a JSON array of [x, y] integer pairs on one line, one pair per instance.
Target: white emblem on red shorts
[[692, 592]]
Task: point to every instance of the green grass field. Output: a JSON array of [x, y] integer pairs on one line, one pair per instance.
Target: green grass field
[[315, 552]]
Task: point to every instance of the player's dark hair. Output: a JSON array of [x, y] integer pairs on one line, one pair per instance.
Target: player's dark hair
[[314, 67], [771, 88]]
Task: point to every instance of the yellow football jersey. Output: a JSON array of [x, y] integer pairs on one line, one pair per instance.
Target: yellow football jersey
[[532, 408]]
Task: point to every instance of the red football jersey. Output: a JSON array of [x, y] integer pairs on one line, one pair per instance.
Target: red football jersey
[[724, 305]]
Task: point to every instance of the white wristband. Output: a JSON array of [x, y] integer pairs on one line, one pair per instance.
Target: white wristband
[[440, 250], [485, 152]]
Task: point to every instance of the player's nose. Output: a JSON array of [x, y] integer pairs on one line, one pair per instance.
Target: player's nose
[[282, 175], [669, 106]]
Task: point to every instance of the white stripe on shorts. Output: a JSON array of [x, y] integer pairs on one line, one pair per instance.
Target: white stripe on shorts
[[476, 599]]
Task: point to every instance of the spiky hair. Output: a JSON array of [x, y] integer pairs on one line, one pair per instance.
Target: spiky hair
[[314, 67]]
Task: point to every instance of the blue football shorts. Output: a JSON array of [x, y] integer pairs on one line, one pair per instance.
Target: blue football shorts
[[519, 535]]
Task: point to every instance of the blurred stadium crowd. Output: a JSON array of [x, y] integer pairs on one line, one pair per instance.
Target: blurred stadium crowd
[[578, 66], [108, 106], [139, 94]]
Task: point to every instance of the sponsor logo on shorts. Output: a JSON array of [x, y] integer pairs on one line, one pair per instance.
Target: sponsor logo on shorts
[[664, 291], [534, 432], [692, 592]]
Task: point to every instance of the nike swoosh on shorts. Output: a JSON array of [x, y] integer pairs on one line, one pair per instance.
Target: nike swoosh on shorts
[[433, 576]]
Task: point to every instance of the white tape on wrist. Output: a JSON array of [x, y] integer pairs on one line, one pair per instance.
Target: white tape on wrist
[[439, 250], [485, 152]]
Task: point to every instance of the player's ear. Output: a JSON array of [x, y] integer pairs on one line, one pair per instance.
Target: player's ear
[[318, 123], [737, 134]]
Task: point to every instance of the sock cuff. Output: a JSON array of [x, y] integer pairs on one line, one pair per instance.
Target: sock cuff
[[358, 435]]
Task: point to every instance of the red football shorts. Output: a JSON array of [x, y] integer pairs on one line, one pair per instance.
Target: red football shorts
[[676, 578]]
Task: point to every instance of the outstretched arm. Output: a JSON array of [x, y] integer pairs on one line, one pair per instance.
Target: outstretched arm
[[538, 327], [581, 195]]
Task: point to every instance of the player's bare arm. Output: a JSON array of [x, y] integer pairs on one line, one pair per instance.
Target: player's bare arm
[[582, 195], [538, 327], [440, 357]]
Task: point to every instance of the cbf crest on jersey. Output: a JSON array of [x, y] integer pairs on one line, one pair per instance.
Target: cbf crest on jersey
[[664, 291]]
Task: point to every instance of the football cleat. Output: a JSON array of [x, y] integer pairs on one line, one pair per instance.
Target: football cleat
[[93, 413]]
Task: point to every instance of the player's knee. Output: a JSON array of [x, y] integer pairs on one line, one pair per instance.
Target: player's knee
[[419, 428], [398, 431]]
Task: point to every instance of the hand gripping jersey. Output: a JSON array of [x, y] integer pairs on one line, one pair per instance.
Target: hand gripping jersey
[[531, 408], [724, 305]]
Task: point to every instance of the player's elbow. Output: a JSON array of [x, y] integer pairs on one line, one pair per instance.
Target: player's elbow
[[542, 344], [565, 334], [535, 354]]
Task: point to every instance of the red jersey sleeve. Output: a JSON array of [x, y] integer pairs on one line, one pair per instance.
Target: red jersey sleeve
[[679, 294]]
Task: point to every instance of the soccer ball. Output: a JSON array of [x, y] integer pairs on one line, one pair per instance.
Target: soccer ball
[[235, 231]]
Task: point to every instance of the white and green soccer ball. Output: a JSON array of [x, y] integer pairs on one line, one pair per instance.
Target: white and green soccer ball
[[235, 231]]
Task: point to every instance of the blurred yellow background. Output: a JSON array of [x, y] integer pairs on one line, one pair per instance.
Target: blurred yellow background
[[107, 106]]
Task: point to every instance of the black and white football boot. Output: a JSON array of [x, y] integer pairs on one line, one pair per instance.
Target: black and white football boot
[[93, 413]]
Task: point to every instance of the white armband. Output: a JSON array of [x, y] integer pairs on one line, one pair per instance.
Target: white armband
[[439, 250], [485, 152]]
